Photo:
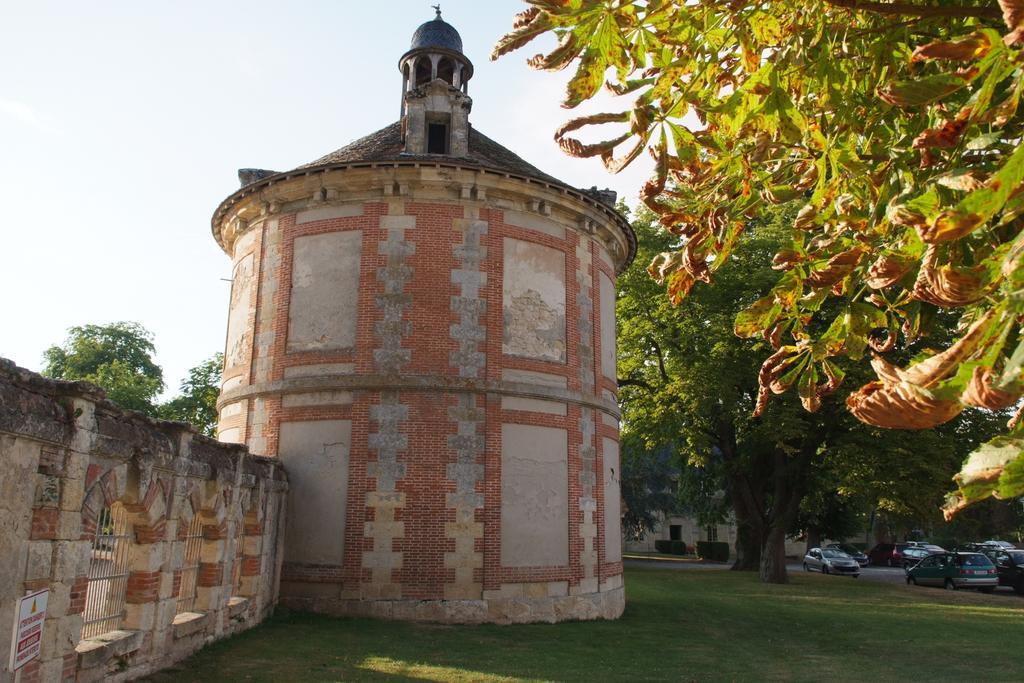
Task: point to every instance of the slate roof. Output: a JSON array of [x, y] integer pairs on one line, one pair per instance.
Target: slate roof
[[436, 33], [386, 145]]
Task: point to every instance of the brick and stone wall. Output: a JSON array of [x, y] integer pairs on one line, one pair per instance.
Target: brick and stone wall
[[68, 454], [429, 350]]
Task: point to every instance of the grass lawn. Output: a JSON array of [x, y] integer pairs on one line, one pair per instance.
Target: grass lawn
[[679, 625]]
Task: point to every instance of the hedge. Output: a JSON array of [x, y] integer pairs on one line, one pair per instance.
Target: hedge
[[717, 551], [671, 547]]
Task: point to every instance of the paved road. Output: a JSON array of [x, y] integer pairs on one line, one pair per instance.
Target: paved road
[[884, 574]]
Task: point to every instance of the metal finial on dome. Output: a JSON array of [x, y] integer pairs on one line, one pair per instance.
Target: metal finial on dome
[[437, 8]]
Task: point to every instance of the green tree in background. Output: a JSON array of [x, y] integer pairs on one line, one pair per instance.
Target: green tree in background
[[117, 357], [896, 128], [649, 485], [197, 402], [688, 381]]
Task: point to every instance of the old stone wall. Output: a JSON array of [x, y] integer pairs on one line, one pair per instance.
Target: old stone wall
[[200, 517]]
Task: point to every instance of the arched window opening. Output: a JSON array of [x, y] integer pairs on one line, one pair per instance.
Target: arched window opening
[[422, 72], [108, 573], [189, 587], [446, 71]]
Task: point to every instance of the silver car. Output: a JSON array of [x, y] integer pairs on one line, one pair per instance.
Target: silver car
[[829, 561]]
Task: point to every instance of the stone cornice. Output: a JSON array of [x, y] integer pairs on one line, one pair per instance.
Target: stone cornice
[[432, 383], [260, 191]]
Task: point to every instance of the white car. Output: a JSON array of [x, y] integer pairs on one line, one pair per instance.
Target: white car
[[829, 561]]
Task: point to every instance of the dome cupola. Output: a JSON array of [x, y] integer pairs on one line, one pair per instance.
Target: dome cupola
[[437, 33], [435, 91]]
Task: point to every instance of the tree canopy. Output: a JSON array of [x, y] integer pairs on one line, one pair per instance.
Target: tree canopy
[[197, 402], [894, 127], [117, 357], [688, 383]]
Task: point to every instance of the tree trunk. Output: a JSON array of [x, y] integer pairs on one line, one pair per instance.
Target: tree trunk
[[748, 548], [813, 539], [773, 555]]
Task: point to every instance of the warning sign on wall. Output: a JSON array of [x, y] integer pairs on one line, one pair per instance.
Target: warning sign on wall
[[28, 628]]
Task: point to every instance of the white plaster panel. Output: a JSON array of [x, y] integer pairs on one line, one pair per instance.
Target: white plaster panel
[[328, 212], [316, 398], [532, 405], [602, 254], [316, 455], [231, 409], [243, 244], [609, 420], [534, 496], [533, 222], [533, 301], [325, 290], [242, 279], [530, 377], [231, 383], [608, 355], [233, 435], [612, 500], [319, 369]]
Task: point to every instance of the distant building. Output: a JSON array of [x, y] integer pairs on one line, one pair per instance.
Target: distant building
[[687, 529]]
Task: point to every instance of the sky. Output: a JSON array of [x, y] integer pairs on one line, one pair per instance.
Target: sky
[[123, 124]]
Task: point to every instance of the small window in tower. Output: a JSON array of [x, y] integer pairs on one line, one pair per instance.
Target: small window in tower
[[446, 71], [437, 138], [422, 72]]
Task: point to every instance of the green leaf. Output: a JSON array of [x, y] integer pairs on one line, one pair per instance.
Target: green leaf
[[1014, 367], [589, 77], [920, 91], [808, 386], [920, 210], [766, 28], [996, 467], [790, 377], [757, 317], [1011, 481], [983, 141], [979, 206], [988, 461]]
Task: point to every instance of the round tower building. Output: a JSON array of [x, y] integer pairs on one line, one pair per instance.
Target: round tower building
[[422, 328]]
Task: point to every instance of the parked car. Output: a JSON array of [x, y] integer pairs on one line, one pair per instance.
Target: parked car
[[831, 561], [913, 554], [1004, 545], [888, 554], [974, 547], [1009, 568], [955, 570], [852, 551]]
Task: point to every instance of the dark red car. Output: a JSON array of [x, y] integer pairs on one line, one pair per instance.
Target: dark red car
[[887, 554]]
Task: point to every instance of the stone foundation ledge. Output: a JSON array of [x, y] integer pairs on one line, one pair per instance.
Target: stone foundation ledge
[[519, 610]]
